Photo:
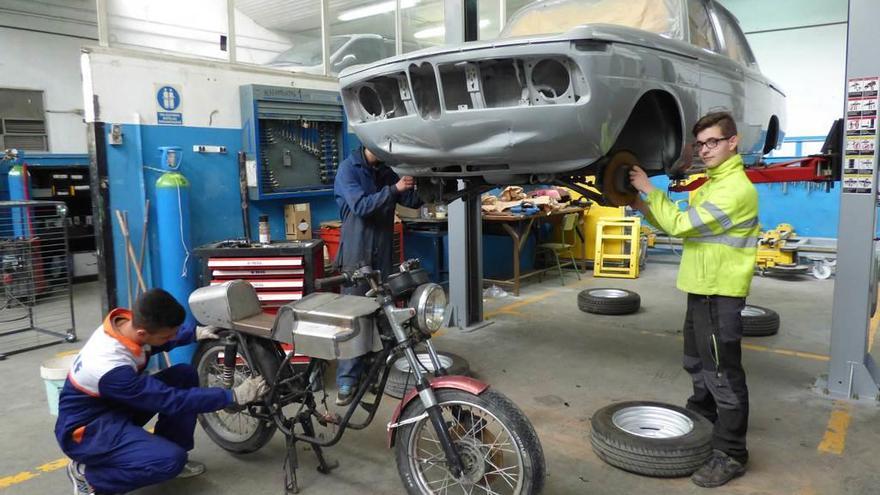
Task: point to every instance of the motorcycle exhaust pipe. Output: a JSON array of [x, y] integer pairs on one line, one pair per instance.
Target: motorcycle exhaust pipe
[[230, 352]]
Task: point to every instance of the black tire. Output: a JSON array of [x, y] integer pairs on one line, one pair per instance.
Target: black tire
[[211, 422], [609, 301], [662, 457], [400, 379], [759, 321], [459, 409]]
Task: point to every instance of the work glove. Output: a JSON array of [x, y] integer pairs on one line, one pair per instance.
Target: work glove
[[206, 333], [250, 390]]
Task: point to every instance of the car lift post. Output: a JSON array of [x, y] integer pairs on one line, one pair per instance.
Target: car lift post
[[464, 215], [852, 372]]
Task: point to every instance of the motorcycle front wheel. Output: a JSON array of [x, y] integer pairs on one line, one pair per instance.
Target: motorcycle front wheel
[[497, 444], [237, 432]]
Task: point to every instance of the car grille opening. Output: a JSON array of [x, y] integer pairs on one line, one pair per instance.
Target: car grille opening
[[456, 92], [425, 91], [503, 84]]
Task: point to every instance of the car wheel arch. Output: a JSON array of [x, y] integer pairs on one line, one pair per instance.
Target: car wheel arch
[[772, 139], [659, 147]]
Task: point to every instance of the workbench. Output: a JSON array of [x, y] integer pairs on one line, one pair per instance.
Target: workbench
[[518, 227]]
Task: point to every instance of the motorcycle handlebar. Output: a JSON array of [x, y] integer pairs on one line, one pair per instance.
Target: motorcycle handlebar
[[330, 282]]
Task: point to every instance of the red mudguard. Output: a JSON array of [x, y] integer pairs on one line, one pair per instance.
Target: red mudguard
[[464, 383]]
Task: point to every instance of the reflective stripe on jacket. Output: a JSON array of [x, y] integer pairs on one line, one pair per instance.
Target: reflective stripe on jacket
[[720, 231]]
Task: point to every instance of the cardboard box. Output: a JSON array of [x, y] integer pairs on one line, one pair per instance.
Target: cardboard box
[[298, 222]]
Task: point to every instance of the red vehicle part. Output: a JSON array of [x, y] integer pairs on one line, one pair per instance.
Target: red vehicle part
[[815, 168], [463, 383]]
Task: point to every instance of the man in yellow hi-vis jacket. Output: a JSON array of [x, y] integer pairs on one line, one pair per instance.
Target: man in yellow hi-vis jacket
[[720, 235]]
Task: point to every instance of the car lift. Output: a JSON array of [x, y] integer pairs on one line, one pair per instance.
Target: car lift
[[852, 372]]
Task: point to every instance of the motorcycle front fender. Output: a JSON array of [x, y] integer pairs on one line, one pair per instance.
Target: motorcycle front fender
[[463, 383]]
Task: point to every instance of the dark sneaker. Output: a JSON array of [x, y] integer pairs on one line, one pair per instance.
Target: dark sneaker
[[76, 475], [344, 396], [718, 470], [191, 469]]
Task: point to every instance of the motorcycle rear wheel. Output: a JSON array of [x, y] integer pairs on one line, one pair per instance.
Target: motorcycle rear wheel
[[236, 432], [499, 448]]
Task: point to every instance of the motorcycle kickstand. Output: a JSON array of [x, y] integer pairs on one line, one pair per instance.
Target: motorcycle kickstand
[[324, 467], [291, 463]]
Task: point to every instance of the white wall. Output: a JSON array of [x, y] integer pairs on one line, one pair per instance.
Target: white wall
[[125, 83], [809, 65], [40, 61]]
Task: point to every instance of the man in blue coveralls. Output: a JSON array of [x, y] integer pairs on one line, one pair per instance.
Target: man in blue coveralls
[[107, 399], [367, 192]]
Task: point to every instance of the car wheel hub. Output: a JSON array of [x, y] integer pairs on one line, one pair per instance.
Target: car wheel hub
[[652, 422]]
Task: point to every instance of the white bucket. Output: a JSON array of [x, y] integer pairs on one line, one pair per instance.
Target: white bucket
[[54, 372]]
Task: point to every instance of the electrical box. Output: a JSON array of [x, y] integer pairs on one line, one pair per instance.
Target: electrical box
[[293, 139]]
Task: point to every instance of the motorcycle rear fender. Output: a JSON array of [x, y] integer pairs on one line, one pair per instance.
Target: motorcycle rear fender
[[463, 383]]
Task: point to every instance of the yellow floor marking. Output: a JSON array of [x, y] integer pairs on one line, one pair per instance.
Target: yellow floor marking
[[759, 348], [15, 479], [873, 326], [67, 353], [53, 466], [787, 352], [834, 440]]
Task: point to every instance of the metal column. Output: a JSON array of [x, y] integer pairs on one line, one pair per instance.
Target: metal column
[[465, 221], [852, 373]]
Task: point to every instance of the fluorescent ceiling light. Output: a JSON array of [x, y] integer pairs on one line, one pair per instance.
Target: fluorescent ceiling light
[[440, 31], [375, 9]]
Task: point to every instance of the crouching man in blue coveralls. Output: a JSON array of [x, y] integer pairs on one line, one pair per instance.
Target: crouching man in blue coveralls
[[107, 399], [367, 192]]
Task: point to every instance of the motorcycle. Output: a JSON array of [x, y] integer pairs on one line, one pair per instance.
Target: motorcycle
[[450, 434]]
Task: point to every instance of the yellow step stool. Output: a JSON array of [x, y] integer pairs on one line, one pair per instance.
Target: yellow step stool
[[617, 247]]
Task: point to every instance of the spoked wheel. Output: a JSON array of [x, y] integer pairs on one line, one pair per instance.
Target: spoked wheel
[[497, 444], [237, 432]]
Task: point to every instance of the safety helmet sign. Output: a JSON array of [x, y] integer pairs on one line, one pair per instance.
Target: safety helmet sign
[[168, 98]]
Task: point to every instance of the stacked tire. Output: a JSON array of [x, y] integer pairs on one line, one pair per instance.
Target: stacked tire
[[651, 438], [609, 301], [401, 378]]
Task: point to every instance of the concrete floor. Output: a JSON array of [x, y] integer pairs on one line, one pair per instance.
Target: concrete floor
[[559, 365]]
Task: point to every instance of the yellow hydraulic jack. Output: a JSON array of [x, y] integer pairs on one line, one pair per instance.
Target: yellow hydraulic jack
[[778, 254]]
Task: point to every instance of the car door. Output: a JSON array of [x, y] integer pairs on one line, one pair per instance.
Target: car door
[[722, 79], [757, 105]]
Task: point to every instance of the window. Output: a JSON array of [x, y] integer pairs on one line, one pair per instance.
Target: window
[[22, 120], [735, 42], [702, 34]]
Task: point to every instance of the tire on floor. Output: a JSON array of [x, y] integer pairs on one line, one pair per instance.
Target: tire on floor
[[651, 438], [608, 301], [759, 321], [400, 377]]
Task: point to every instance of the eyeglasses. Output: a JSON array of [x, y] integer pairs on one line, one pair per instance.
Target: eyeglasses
[[710, 143]]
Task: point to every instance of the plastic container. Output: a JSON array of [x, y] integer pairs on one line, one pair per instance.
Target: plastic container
[[54, 372], [264, 229], [330, 236]]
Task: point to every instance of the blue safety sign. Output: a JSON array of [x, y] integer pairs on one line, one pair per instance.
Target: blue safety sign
[[168, 98]]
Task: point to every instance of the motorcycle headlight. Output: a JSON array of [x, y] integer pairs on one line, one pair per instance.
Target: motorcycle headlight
[[429, 300]]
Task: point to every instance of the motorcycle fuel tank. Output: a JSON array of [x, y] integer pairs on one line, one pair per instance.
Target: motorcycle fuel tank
[[331, 326]]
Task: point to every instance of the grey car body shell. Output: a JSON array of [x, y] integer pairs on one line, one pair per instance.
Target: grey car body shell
[[611, 68]]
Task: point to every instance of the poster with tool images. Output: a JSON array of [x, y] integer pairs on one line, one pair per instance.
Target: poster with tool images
[[861, 134]]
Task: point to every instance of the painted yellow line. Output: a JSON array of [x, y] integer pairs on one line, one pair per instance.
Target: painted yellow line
[[875, 320], [15, 479], [787, 352], [834, 440], [67, 353], [759, 348]]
